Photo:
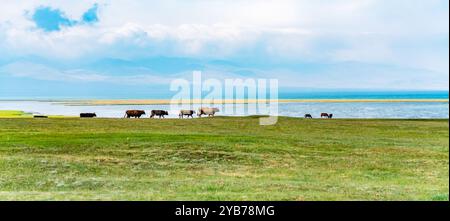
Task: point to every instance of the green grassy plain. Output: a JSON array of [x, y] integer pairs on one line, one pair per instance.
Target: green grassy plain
[[223, 158]]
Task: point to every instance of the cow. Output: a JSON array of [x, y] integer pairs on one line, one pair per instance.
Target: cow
[[308, 116], [134, 113], [40, 116], [88, 115], [159, 113], [324, 115], [207, 111], [188, 113]]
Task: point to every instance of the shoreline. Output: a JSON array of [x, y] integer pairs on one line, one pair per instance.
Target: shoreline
[[18, 114], [239, 101]]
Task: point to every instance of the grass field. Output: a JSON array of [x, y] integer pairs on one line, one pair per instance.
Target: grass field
[[223, 159]]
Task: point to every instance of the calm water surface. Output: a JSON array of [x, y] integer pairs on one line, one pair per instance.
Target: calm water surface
[[416, 110]]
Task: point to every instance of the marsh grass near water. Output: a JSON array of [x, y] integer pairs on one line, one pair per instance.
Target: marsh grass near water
[[22, 114], [14, 114], [223, 158]]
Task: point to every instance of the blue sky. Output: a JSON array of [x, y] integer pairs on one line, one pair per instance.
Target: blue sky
[[73, 47], [49, 19]]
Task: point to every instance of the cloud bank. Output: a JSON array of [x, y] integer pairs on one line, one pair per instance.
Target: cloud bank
[[340, 44]]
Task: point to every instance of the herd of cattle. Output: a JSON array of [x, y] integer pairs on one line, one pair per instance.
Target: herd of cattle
[[322, 115], [183, 113], [161, 113]]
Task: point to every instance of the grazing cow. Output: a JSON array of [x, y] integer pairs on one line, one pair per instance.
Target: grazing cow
[[40, 116], [207, 111], [324, 115], [188, 113], [159, 113], [88, 115], [308, 116], [134, 113], [330, 116]]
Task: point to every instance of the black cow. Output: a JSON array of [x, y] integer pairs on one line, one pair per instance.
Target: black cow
[[159, 113], [308, 116], [40, 116], [88, 115]]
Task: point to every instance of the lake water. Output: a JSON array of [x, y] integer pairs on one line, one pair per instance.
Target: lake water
[[415, 110]]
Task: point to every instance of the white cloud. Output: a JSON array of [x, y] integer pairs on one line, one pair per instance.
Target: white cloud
[[369, 31]]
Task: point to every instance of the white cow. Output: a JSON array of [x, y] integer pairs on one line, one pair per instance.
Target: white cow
[[188, 113], [207, 111]]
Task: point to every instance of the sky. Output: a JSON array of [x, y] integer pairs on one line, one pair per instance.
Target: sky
[[134, 47]]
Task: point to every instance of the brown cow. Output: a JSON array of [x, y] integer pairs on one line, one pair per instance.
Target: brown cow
[[134, 113]]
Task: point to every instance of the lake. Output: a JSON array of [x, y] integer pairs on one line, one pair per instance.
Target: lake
[[415, 110]]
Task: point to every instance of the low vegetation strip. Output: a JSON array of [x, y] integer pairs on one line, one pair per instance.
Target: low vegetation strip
[[223, 158], [14, 114], [242, 101], [21, 114]]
